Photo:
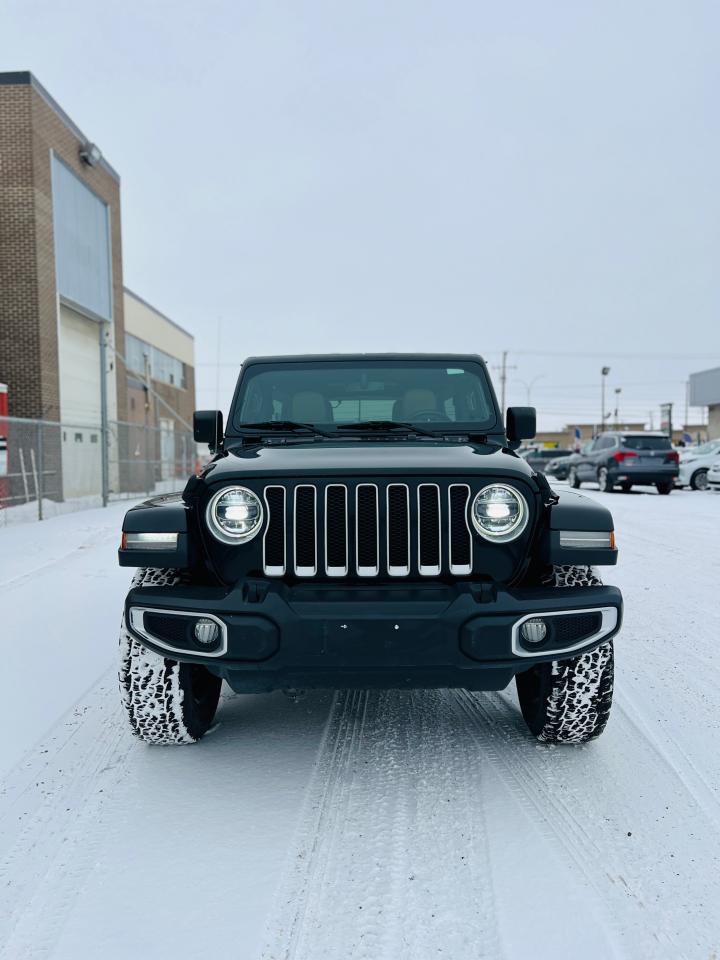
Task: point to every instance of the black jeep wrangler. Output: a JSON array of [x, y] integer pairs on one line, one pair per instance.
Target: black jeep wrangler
[[365, 522]]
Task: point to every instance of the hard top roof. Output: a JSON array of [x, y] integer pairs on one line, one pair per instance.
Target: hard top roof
[[334, 357]]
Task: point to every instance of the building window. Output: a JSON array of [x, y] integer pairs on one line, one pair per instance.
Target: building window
[[163, 367], [78, 438], [82, 242]]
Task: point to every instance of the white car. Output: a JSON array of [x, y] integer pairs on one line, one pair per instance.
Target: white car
[[695, 463], [713, 476]]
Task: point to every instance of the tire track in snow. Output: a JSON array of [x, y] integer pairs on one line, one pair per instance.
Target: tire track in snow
[[44, 865], [392, 840], [548, 779], [672, 755]]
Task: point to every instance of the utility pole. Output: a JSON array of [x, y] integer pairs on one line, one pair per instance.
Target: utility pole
[[503, 368], [618, 391], [604, 372]]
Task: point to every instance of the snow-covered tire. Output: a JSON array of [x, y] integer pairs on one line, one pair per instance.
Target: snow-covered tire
[[165, 701], [572, 478], [568, 701]]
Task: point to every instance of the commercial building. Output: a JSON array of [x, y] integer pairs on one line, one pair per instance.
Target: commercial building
[[159, 363], [576, 434], [63, 305], [705, 392]]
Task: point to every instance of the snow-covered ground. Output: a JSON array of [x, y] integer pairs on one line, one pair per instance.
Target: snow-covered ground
[[381, 826]]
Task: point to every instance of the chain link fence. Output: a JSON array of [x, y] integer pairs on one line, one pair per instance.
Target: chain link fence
[[48, 468]]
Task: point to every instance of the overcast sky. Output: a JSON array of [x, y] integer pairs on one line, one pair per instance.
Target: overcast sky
[[537, 177]]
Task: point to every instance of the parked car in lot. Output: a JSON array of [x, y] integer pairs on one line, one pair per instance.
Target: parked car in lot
[[695, 463], [625, 460], [559, 468], [713, 476], [365, 522], [540, 458]]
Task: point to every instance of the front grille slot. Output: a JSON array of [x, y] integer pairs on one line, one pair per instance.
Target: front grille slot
[[460, 536], [336, 530], [305, 531], [429, 530], [398, 530], [367, 530], [274, 539]]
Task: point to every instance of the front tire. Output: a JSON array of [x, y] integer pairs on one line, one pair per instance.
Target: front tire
[[699, 480], [568, 701], [572, 478], [165, 701]]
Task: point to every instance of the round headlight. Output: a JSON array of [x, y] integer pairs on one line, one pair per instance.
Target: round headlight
[[499, 513], [234, 515]]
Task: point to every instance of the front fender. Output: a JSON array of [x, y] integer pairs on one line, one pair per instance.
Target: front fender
[[166, 514], [576, 514]]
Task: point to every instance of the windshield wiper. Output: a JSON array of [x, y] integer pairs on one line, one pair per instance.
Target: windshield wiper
[[381, 426], [292, 426]]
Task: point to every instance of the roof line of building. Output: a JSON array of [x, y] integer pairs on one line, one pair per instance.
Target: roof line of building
[[158, 312], [24, 78]]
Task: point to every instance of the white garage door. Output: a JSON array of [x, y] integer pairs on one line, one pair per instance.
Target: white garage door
[[80, 404]]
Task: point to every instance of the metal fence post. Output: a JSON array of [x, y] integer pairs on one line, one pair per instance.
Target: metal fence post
[[40, 469], [147, 459]]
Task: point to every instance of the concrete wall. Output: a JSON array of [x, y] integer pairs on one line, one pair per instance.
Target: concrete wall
[[714, 422], [147, 323]]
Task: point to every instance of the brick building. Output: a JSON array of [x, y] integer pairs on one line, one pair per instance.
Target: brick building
[[158, 358], [60, 258], [62, 300]]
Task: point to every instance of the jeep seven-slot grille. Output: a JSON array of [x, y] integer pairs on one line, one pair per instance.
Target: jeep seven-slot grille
[[367, 530]]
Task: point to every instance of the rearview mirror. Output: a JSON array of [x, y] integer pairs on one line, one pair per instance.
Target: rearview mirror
[[520, 423], [208, 428]]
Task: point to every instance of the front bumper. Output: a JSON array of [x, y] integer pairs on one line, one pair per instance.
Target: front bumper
[[392, 635]]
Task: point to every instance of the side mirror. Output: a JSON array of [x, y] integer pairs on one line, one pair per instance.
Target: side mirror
[[520, 424], [208, 428]]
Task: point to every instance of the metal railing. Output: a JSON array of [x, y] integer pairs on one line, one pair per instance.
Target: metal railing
[[49, 467]]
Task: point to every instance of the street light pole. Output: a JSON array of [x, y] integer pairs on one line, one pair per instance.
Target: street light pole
[[604, 372], [529, 386]]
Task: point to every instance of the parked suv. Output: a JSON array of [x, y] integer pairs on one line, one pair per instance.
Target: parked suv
[[365, 522], [626, 459]]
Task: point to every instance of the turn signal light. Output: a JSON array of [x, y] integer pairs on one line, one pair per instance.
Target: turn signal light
[[148, 541]]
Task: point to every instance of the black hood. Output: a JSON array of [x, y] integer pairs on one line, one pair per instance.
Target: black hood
[[354, 458]]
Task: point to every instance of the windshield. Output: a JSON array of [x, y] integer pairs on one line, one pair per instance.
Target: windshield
[[436, 394], [710, 447]]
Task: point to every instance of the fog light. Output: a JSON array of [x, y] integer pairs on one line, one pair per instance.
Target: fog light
[[534, 631], [206, 631]]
